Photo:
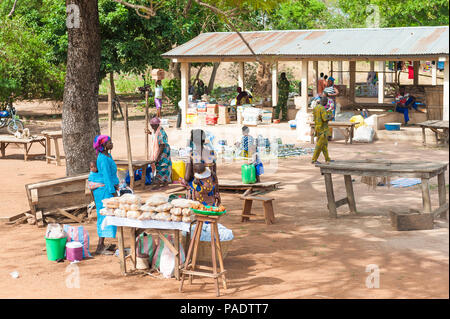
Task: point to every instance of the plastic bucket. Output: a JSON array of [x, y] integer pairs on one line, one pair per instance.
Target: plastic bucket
[[55, 248], [74, 251], [392, 126]]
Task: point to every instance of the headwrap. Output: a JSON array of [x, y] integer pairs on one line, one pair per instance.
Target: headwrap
[[331, 79], [100, 141], [155, 120]]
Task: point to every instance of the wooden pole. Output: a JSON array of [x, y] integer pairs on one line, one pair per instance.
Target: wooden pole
[[416, 66], [381, 81], [241, 76], [446, 112], [110, 110], [146, 126], [304, 83], [351, 93], [130, 159], [184, 92], [434, 73]]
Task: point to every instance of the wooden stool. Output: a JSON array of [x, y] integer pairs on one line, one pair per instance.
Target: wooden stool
[[190, 263], [269, 216], [52, 135]]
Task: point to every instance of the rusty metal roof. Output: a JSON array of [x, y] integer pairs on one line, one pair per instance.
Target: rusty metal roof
[[370, 42]]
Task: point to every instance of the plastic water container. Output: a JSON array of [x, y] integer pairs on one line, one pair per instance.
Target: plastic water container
[[178, 170], [248, 174], [74, 251]]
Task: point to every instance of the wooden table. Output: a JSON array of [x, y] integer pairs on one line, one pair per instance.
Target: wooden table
[[422, 170], [27, 143], [55, 136], [440, 128], [151, 227], [347, 129], [123, 165]]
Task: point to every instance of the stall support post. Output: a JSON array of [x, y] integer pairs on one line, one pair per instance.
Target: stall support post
[[416, 65], [381, 81], [339, 77], [274, 84], [372, 66], [304, 82], [434, 73], [445, 113], [146, 127], [241, 76], [351, 93], [130, 159], [316, 77], [110, 112], [184, 92]]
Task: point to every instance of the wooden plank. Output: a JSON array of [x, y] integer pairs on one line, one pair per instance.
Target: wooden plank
[[246, 210], [258, 198], [49, 203], [40, 219], [168, 244], [438, 212], [341, 202], [58, 181], [69, 215], [204, 274], [120, 239], [62, 188], [133, 246], [34, 196]]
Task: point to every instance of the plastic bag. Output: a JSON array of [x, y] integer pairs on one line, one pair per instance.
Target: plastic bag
[[167, 263], [364, 134], [78, 233], [157, 200], [55, 231], [357, 119]]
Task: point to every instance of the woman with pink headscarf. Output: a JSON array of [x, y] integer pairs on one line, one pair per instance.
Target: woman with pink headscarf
[[160, 154], [106, 177]]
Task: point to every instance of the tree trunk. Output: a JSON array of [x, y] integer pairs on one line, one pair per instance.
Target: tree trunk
[[175, 69], [263, 86], [80, 109], [212, 79]]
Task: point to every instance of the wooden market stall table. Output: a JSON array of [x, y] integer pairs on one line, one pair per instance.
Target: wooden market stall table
[[348, 128], [378, 167], [135, 227], [123, 165], [440, 128], [55, 136], [27, 143]]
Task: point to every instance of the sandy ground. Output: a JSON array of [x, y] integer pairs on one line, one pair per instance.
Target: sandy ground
[[305, 254]]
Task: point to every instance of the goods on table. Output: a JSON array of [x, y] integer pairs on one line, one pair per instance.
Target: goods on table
[[251, 115], [107, 211], [266, 117], [112, 202], [211, 119], [157, 200], [164, 207], [204, 208], [248, 174]]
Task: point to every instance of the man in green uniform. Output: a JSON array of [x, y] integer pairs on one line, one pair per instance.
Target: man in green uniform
[[283, 95], [321, 118]]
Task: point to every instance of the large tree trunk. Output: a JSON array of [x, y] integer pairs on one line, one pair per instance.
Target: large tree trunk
[[80, 109], [212, 79], [263, 86]]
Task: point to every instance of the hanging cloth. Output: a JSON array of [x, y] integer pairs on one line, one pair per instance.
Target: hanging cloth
[[410, 72]]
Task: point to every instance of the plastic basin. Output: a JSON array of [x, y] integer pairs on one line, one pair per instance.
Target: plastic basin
[[392, 126]]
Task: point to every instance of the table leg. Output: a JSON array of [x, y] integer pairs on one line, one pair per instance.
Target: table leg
[[57, 156], [196, 242], [3, 148], [188, 257], [213, 257], [178, 257], [442, 193], [123, 266], [424, 137], [133, 247], [48, 147], [426, 200], [219, 248], [330, 195], [25, 151], [350, 193], [352, 132]]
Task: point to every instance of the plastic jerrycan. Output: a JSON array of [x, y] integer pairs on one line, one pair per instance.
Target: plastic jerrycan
[[248, 174], [178, 170]]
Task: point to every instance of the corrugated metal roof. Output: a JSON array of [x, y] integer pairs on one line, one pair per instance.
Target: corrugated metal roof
[[408, 41]]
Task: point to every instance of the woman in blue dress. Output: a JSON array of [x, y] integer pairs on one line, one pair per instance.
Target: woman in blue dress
[[106, 176]]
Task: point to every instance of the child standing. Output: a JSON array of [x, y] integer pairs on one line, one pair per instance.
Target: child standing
[[95, 180]]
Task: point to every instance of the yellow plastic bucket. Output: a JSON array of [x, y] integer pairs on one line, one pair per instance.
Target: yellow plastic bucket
[[178, 170]]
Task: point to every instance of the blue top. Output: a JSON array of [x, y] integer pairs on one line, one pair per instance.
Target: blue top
[[107, 172], [95, 177]]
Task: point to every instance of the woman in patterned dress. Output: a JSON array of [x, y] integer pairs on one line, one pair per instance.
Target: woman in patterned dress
[[160, 154]]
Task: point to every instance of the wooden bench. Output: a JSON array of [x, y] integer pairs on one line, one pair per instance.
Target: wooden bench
[[59, 196], [440, 129], [269, 216], [27, 143], [49, 136], [347, 128]]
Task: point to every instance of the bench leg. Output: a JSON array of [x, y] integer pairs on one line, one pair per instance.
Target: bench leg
[[48, 148], [350, 193], [442, 193], [330, 195], [247, 209], [424, 137], [3, 148], [268, 212], [426, 200], [57, 156]]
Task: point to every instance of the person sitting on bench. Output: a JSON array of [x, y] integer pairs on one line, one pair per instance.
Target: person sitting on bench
[[403, 102]]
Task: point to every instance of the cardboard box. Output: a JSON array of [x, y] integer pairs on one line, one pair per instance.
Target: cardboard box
[[201, 119], [212, 108]]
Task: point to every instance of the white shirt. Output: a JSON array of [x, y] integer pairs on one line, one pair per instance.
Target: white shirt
[[158, 92]]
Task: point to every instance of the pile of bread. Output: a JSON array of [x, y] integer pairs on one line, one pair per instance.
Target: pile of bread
[[156, 207]]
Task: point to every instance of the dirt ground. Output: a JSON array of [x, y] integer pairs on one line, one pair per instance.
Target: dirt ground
[[305, 254]]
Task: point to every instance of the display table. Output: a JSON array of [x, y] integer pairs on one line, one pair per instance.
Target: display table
[[154, 226], [123, 165], [422, 170], [55, 136], [5, 140], [440, 129], [347, 129]]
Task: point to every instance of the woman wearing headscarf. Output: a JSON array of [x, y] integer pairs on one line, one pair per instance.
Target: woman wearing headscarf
[[160, 153], [106, 176]]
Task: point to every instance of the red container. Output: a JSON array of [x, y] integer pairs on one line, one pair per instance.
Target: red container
[[211, 119]]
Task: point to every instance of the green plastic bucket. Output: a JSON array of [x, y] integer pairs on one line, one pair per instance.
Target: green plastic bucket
[[55, 248]]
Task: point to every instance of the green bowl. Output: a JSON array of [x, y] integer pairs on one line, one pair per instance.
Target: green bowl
[[202, 212]]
